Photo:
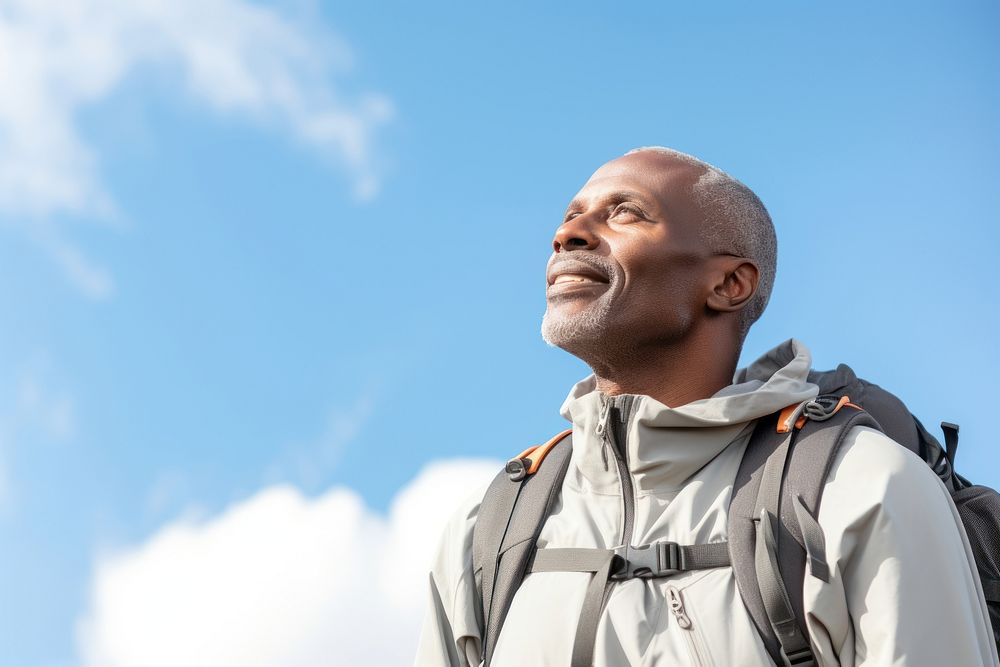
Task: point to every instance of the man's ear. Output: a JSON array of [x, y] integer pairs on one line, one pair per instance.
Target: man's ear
[[735, 282]]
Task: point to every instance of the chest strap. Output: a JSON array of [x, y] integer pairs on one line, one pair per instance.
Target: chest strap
[[647, 561]]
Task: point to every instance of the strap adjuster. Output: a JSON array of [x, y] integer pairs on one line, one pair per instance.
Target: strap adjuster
[[822, 408], [517, 468], [660, 559]]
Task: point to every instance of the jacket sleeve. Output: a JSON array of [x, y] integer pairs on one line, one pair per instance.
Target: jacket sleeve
[[903, 588], [451, 634]]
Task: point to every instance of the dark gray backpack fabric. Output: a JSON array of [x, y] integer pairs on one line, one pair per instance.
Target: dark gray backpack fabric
[[510, 519], [774, 537], [772, 527], [979, 507]]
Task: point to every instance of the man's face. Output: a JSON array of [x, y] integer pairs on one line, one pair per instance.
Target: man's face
[[628, 262]]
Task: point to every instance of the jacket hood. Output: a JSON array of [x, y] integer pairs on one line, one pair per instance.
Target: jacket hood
[[666, 445]]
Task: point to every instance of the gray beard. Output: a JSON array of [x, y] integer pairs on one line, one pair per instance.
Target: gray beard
[[573, 332]]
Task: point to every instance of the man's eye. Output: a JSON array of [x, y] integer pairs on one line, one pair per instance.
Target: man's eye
[[627, 210]]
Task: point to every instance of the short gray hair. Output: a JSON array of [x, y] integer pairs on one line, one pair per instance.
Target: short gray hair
[[736, 223]]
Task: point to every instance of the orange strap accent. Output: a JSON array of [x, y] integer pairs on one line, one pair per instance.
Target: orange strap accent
[[844, 400], [537, 453], [786, 414], [784, 417]]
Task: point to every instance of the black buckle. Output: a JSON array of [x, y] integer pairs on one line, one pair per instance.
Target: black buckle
[[646, 561], [801, 658]]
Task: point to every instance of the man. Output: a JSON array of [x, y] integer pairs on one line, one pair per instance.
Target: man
[[658, 270]]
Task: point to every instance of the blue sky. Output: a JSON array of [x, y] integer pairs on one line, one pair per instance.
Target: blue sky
[[236, 297]]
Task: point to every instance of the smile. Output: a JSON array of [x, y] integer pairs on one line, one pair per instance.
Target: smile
[[572, 270], [572, 285], [575, 278]]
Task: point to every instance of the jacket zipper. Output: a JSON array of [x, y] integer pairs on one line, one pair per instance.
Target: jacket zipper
[[699, 655], [612, 427]]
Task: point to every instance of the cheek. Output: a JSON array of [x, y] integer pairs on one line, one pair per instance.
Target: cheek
[[666, 282]]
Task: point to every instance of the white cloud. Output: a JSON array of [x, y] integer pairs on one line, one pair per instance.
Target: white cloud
[[234, 56], [278, 580]]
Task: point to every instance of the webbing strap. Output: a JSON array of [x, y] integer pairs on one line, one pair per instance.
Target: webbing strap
[[704, 556], [597, 561], [660, 559], [795, 649], [815, 542]]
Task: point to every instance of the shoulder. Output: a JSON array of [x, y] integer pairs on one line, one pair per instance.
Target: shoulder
[[455, 534], [890, 528], [874, 482], [876, 464]]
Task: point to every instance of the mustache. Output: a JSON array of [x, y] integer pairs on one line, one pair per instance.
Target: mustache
[[567, 261]]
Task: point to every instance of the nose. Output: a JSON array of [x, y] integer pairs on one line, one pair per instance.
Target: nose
[[575, 234]]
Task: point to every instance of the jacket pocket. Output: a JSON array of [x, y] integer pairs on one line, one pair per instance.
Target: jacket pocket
[[682, 621], [704, 622]]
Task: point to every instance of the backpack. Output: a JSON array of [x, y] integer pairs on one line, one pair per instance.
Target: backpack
[[773, 534]]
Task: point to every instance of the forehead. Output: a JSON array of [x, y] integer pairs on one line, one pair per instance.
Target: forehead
[[662, 179]]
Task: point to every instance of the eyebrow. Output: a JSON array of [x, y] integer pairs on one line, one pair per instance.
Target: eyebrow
[[611, 198]]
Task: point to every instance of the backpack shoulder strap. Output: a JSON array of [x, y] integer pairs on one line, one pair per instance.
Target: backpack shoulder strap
[[510, 519], [773, 531], [742, 527], [800, 540]]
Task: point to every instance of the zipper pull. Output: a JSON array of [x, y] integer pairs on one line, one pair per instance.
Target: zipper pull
[[602, 422], [677, 607]]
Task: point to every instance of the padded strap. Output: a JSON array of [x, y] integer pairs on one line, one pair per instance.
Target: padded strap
[[785, 478], [991, 589], [808, 470], [795, 649], [491, 526], [794, 497], [510, 519], [743, 523]]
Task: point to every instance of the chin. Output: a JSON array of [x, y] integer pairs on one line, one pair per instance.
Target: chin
[[574, 332], [580, 326]]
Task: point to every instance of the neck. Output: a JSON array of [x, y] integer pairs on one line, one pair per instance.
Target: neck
[[674, 375]]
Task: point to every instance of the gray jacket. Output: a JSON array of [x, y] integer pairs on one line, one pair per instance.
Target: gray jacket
[[903, 588]]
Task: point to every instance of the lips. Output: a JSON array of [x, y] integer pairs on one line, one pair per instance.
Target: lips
[[575, 272]]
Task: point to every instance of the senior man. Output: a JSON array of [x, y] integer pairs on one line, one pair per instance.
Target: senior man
[[660, 267]]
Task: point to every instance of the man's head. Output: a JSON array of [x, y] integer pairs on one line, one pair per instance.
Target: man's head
[[657, 245]]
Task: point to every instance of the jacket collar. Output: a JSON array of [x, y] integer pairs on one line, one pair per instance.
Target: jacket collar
[[665, 446]]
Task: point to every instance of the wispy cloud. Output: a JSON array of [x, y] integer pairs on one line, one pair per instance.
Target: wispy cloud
[[308, 463], [34, 409], [278, 580], [233, 56], [38, 406]]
